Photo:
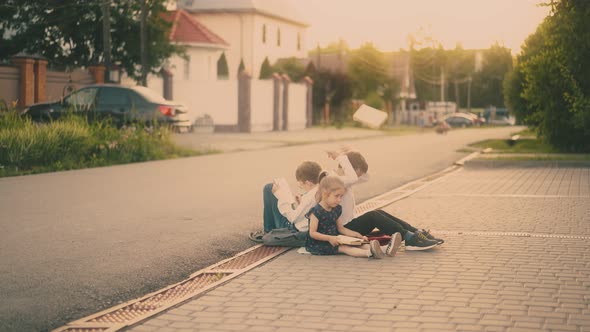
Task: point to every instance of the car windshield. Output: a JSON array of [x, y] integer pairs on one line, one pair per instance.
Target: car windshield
[[81, 99], [150, 95]]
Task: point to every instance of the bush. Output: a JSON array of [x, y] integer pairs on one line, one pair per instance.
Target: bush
[[72, 143], [374, 100], [549, 89], [266, 70]]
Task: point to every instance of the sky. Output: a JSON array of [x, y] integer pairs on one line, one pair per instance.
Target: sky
[[475, 24]]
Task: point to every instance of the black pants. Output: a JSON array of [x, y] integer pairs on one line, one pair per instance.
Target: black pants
[[381, 220]]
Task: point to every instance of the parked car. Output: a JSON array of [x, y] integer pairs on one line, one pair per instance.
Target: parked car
[[503, 121], [121, 104], [477, 120], [459, 120]]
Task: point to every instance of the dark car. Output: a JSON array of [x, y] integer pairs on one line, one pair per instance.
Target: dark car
[[459, 120], [119, 103]]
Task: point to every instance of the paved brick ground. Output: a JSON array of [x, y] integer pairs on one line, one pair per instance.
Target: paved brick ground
[[486, 277]]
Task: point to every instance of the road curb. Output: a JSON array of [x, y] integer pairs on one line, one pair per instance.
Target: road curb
[[503, 163]]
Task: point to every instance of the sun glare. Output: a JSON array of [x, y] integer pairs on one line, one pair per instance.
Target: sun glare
[[389, 23]]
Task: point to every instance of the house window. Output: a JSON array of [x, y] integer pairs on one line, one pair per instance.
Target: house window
[[264, 33], [188, 3], [299, 41], [278, 36], [187, 67]]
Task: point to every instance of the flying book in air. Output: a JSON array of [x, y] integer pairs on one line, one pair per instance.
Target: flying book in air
[[369, 116]]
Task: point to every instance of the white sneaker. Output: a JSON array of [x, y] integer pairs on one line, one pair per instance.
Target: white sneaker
[[375, 249], [394, 244]]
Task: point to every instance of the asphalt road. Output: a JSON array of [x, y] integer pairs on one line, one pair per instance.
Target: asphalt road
[[74, 243]]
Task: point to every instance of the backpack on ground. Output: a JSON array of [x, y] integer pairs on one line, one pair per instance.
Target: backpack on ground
[[284, 237]]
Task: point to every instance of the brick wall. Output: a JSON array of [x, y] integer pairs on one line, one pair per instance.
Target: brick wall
[[27, 81]]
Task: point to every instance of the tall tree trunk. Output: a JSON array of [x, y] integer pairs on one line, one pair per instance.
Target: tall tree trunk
[[106, 35], [143, 43], [457, 94]]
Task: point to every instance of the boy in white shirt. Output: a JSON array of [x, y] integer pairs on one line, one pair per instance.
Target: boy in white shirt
[[352, 170], [279, 210]]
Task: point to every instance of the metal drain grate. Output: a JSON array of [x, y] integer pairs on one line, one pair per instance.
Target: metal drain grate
[[390, 196], [248, 259], [116, 318], [368, 206], [183, 290]]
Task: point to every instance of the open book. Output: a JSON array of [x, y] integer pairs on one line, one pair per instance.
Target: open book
[[351, 241], [284, 191], [369, 116]]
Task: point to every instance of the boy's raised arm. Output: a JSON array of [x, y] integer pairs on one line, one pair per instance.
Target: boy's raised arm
[[349, 178]]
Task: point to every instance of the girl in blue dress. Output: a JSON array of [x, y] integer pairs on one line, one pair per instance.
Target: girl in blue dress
[[325, 223]]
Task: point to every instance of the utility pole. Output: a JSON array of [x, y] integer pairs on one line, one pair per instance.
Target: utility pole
[[106, 36], [327, 102], [469, 94], [442, 84], [143, 42], [457, 94], [319, 57]]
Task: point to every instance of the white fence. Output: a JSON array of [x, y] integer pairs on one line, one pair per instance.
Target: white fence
[[217, 98], [297, 106], [261, 105]]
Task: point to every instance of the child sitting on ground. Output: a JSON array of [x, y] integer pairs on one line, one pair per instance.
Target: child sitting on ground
[[352, 169], [325, 224], [278, 212]]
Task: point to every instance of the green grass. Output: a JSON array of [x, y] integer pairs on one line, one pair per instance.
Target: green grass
[[528, 133], [73, 143], [528, 147], [545, 157], [523, 145]]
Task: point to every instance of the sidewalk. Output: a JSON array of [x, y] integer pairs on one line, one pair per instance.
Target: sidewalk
[[516, 258]]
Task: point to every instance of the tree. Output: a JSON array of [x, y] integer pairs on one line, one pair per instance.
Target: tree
[[334, 87], [426, 68], [512, 89], [241, 67], [514, 82], [367, 70], [487, 83], [222, 67], [337, 47], [7, 48], [555, 77], [266, 70], [310, 69], [459, 69], [292, 67], [69, 32]]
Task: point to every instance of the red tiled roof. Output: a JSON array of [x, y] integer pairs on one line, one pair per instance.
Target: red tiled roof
[[186, 29]]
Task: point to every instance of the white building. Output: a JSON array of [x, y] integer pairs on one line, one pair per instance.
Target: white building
[[254, 30], [195, 70], [195, 81]]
